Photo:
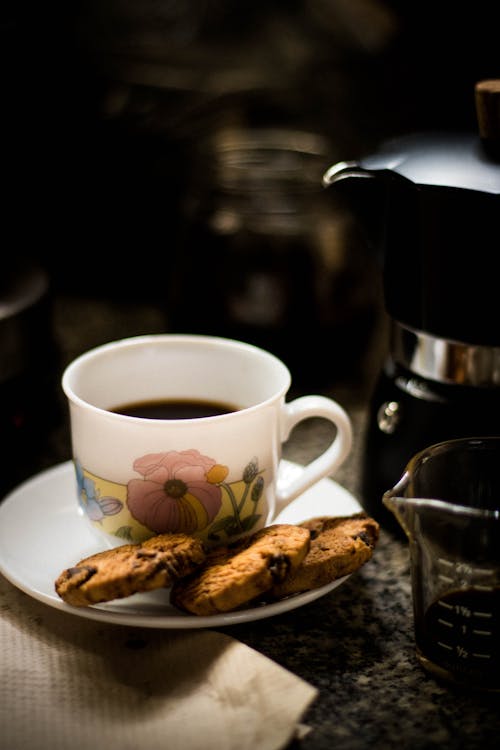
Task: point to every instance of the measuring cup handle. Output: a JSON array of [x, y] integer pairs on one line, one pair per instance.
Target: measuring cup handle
[[330, 460]]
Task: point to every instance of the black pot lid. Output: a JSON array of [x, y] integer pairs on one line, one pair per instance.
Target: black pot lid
[[454, 160]]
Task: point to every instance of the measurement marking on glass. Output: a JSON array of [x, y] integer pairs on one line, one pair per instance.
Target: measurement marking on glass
[[445, 604], [445, 622], [482, 614], [483, 588], [445, 645], [481, 656], [447, 563], [482, 632], [447, 579]]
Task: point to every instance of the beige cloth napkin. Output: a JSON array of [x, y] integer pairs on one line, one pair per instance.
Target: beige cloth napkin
[[68, 683]]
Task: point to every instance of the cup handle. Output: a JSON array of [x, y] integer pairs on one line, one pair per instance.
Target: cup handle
[[330, 460]]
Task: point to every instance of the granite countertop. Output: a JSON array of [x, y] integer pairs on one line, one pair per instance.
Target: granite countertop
[[355, 645]]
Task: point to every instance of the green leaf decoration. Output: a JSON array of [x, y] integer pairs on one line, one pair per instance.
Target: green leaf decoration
[[223, 524], [250, 521], [124, 532], [233, 527]]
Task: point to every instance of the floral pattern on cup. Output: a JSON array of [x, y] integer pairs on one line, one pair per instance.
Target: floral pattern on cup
[[178, 491], [95, 505]]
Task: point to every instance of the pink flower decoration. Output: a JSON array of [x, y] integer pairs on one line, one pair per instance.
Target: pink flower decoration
[[176, 493]]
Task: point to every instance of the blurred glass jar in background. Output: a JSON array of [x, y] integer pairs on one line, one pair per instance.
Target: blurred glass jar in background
[[186, 144], [267, 256], [29, 363]]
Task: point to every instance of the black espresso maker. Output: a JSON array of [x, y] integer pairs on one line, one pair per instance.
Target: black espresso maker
[[433, 200]]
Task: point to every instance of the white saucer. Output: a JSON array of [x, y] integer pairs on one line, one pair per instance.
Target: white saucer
[[42, 534]]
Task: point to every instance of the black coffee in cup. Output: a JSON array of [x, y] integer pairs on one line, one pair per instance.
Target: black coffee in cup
[[174, 409]]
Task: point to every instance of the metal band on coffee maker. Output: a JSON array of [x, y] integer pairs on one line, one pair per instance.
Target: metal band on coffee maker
[[445, 361]]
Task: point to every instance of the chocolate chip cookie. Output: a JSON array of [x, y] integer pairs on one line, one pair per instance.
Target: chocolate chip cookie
[[235, 575], [129, 569], [339, 546]]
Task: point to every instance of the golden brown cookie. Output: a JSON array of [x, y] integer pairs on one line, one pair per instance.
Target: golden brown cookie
[[234, 575], [339, 546], [126, 570]]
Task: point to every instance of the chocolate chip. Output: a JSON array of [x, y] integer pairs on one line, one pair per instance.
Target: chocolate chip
[[279, 567], [364, 538], [87, 570]]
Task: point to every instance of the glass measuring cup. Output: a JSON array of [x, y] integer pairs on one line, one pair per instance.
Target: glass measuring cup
[[448, 503]]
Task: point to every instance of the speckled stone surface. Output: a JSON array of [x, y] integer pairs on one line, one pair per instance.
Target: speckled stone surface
[[355, 644]]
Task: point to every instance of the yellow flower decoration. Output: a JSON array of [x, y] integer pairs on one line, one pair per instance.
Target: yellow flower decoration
[[217, 474]]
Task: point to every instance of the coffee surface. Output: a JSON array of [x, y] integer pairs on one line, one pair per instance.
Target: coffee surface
[[460, 633], [174, 409]]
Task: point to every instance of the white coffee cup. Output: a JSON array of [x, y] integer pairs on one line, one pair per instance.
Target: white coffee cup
[[214, 477]]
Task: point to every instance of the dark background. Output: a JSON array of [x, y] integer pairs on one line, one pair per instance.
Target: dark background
[[113, 116], [105, 105]]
